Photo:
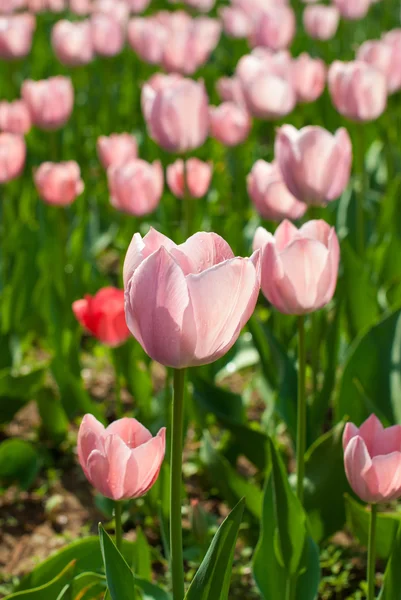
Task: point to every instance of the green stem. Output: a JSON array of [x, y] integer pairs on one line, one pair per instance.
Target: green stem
[[177, 432], [301, 419], [119, 410], [360, 216], [372, 553], [119, 529], [315, 352]]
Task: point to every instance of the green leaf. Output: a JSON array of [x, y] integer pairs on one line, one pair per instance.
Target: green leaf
[[54, 419], [371, 380], [309, 572], [50, 590], [360, 294], [326, 484], [358, 520], [142, 560], [16, 390], [120, 579], [231, 486], [19, 462], [212, 580], [391, 589]]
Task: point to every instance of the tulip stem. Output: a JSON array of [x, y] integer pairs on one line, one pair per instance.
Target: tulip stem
[[301, 417], [119, 410], [177, 433], [118, 526], [360, 216], [372, 553]]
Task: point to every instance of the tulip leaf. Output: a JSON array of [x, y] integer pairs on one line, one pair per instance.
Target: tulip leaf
[[16, 390], [371, 380], [50, 590], [391, 589], [142, 564], [19, 462], [309, 572], [212, 580], [358, 520], [120, 578]]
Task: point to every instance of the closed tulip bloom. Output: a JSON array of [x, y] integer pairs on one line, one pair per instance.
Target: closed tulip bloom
[[12, 156], [72, 42], [274, 28], [357, 90], [177, 114], [148, 38], [230, 124], [50, 101], [236, 23], [15, 117], [107, 35], [59, 183], [102, 315], [187, 304], [315, 164], [10, 6], [270, 96], [353, 9], [121, 461], [16, 33], [393, 40], [201, 5], [116, 149], [118, 9], [136, 187], [230, 90], [309, 77], [321, 21], [138, 6], [198, 175], [299, 267], [81, 8], [372, 459], [380, 55], [269, 194]]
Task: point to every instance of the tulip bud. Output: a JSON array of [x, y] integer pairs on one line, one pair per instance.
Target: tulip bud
[[353, 9], [148, 38], [136, 186], [12, 156], [107, 35], [229, 123], [321, 21], [116, 149], [198, 175], [16, 33], [309, 77], [59, 183], [15, 117], [274, 28], [50, 101], [380, 55]]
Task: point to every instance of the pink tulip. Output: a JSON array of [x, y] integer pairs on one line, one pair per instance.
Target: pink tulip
[[372, 459], [229, 123], [230, 90], [12, 156], [315, 164], [50, 101], [274, 28], [380, 55], [147, 37], [59, 183], [118, 9], [135, 187], [357, 90], [187, 304], [107, 35], [122, 461], [10, 6], [198, 175], [72, 42], [15, 117], [321, 21], [236, 23], [269, 194], [309, 77], [138, 6], [353, 9], [201, 5], [103, 316], [299, 267], [16, 33], [392, 39], [81, 8], [176, 113], [116, 149]]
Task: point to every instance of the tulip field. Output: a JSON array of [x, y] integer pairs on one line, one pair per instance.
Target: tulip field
[[200, 299]]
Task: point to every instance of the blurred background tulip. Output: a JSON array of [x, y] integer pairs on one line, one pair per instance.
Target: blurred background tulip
[[59, 183], [12, 156], [135, 186], [50, 101], [116, 149], [191, 178]]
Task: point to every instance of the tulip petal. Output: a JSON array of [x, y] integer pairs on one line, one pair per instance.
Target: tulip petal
[[117, 454], [316, 230], [387, 471], [357, 463], [285, 233], [223, 299], [159, 312], [140, 248], [89, 432], [371, 431], [131, 431], [261, 237], [202, 251], [144, 465], [98, 471], [350, 431]]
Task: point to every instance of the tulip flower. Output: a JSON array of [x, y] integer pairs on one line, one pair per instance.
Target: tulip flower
[[81, 8], [15, 117], [59, 183], [315, 164], [357, 90], [201, 5], [321, 21], [116, 149], [236, 23], [187, 304], [230, 124], [50, 101], [299, 267], [136, 186], [309, 77], [176, 113], [392, 39], [72, 42], [138, 6], [380, 55], [107, 35], [198, 175], [274, 28], [353, 9], [118, 9], [372, 458], [12, 156], [269, 194], [123, 460], [16, 33], [103, 316], [147, 37], [230, 90]]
